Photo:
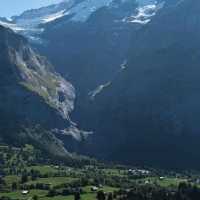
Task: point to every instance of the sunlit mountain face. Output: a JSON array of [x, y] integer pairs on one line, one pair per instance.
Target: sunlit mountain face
[[31, 92]]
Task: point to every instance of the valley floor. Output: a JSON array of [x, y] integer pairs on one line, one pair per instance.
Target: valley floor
[[23, 176]]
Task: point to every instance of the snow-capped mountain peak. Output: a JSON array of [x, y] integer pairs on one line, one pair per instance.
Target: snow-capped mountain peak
[[31, 23]]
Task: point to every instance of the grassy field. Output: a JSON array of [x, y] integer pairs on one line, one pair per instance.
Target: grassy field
[[60, 182], [115, 172], [170, 182], [89, 196], [12, 178], [44, 169], [53, 181], [42, 194], [165, 182], [18, 195], [87, 189]]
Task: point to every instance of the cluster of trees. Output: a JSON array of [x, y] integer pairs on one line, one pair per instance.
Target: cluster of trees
[[101, 195], [65, 192], [13, 161], [5, 198], [2, 183], [185, 191]]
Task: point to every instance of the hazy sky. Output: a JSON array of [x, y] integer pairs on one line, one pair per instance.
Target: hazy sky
[[9, 8]]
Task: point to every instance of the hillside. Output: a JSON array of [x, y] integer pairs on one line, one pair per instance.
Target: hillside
[[34, 99], [149, 113]]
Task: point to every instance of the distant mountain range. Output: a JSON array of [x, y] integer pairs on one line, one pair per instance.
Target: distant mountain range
[[32, 23], [134, 70]]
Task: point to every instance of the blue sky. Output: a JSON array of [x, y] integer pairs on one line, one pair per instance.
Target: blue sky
[[9, 8]]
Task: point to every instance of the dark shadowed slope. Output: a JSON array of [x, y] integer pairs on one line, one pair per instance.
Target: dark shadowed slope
[[149, 114]]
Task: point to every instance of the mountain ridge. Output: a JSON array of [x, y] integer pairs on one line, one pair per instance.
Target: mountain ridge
[[31, 23], [34, 99]]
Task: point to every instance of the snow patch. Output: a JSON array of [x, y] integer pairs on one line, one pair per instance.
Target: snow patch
[[98, 90], [144, 13], [12, 26], [54, 16], [124, 65]]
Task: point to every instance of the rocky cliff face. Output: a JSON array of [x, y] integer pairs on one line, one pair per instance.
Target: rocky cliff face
[[34, 99]]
